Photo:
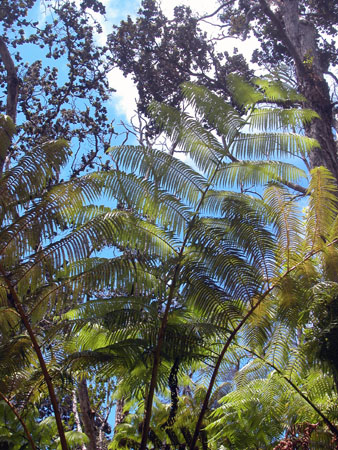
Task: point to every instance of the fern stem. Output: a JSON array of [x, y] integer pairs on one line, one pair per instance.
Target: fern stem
[[329, 424], [157, 353], [48, 380], [232, 337], [156, 363], [24, 426]]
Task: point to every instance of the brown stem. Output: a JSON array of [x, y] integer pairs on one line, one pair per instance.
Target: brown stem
[[12, 81], [87, 414], [232, 337], [330, 425], [48, 380], [161, 334], [29, 436], [156, 363], [284, 37]]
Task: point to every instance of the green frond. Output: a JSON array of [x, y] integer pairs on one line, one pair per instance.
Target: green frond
[[255, 173], [209, 301], [42, 221], [33, 171], [167, 171], [190, 136], [276, 90], [266, 145], [147, 199], [243, 93], [276, 119], [214, 109], [74, 439], [223, 262], [115, 227], [322, 209], [287, 223]]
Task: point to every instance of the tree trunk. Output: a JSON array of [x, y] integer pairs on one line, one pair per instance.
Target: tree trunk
[[87, 414], [299, 37], [119, 414], [312, 84], [76, 416]]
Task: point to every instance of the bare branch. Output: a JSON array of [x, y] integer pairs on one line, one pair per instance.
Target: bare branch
[[223, 5], [332, 75], [12, 81], [24, 426], [283, 36]]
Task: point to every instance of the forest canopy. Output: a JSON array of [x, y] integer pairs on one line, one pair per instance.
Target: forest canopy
[[169, 283]]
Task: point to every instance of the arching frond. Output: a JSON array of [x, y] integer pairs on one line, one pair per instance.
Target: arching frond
[[33, 171], [243, 93], [190, 136], [288, 224], [278, 119], [256, 173], [322, 206], [276, 90], [214, 109], [266, 145], [170, 173]]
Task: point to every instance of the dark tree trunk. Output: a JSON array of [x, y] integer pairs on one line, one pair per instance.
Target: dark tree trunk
[[119, 414], [312, 84], [299, 37], [87, 414], [12, 81]]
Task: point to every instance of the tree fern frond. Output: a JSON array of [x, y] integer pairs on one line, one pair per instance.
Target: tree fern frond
[[116, 226], [266, 145], [214, 109], [148, 199], [170, 173], [287, 222], [322, 206], [191, 137], [277, 119], [243, 93], [33, 171], [255, 173], [276, 90]]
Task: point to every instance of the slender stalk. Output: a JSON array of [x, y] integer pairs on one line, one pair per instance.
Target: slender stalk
[[329, 424], [24, 426], [156, 364], [232, 337], [161, 334], [48, 380]]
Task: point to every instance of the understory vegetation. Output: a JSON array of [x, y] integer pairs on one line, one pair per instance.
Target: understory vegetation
[[176, 296]]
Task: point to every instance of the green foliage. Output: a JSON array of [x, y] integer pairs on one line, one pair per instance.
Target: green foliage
[[209, 292], [228, 250]]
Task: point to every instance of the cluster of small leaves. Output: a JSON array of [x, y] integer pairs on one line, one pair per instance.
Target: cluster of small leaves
[[54, 103], [299, 438], [245, 16], [161, 54]]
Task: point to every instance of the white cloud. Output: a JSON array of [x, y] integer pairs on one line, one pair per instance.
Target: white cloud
[[124, 98]]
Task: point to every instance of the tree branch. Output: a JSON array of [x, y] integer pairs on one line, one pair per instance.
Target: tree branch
[[223, 5], [48, 380], [332, 75], [233, 335], [294, 186], [12, 81], [282, 34], [24, 426]]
